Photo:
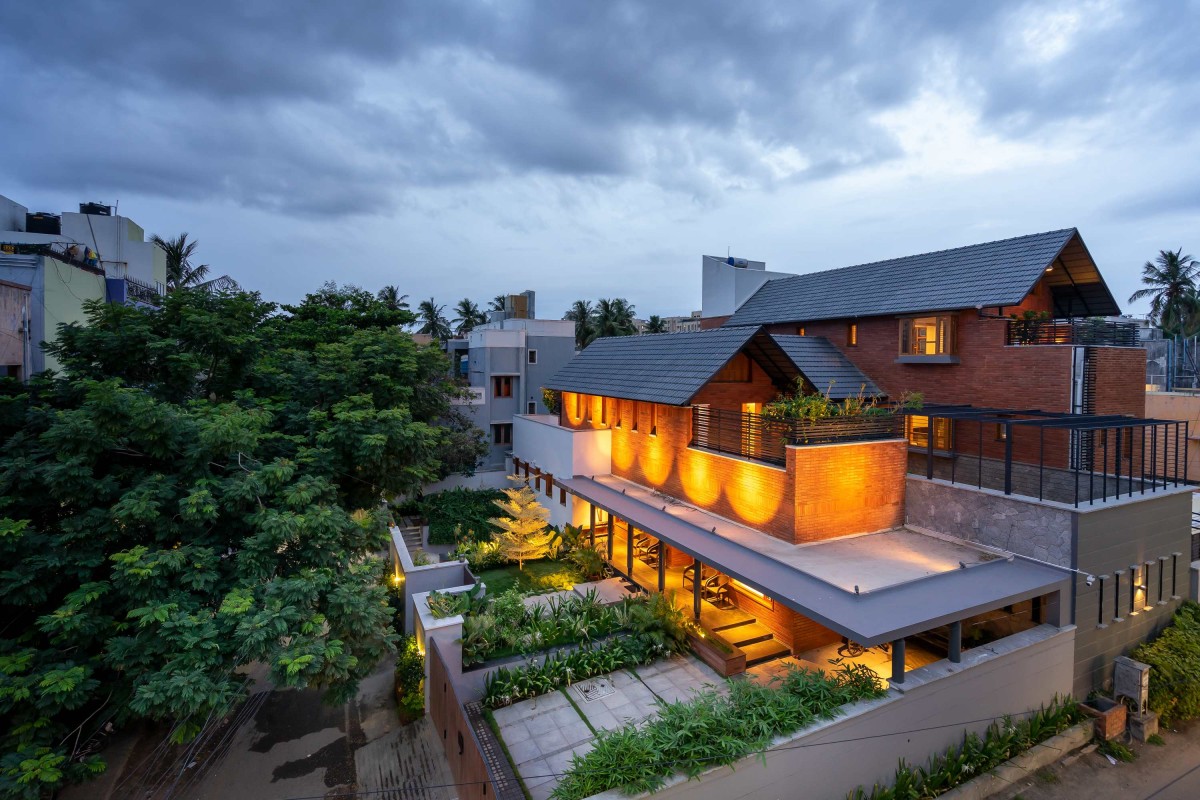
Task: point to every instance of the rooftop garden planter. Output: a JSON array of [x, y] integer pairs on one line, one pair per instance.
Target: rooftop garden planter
[[717, 653]]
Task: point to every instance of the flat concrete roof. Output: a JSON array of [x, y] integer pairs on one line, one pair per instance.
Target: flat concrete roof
[[908, 582]]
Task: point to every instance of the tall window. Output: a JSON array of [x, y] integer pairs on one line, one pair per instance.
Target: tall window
[[852, 335], [578, 406], [532, 407], [502, 386], [502, 433], [928, 336], [800, 331], [636, 408], [918, 432], [533, 356], [654, 419]]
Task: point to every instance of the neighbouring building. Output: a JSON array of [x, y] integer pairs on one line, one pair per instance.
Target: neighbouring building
[[1027, 489], [66, 259], [506, 362]]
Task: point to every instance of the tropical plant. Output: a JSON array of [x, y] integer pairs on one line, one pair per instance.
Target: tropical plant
[[181, 273], [819, 406], [468, 317], [580, 313], [432, 320], [975, 756], [655, 324], [524, 534], [1171, 286], [410, 678], [1175, 658], [498, 302], [392, 299], [452, 512], [552, 400], [711, 729], [613, 317]]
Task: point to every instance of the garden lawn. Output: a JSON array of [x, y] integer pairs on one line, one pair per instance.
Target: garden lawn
[[538, 576]]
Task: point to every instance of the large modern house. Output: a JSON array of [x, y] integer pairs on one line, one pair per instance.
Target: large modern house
[[1023, 491]]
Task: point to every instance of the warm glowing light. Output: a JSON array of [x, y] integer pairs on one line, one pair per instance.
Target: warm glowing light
[[396, 580], [746, 495], [656, 459], [699, 484]]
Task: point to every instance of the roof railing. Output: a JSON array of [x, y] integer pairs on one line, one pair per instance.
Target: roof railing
[[766, 439], [1090, 331]]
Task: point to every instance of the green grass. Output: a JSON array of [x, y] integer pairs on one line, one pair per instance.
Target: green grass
[[537, 577]]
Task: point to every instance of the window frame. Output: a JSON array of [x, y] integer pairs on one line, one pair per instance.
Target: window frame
[[852, 334], [502, 386], [498, 430], [945, 436], [532, 406], [945, 327], [531, 358]]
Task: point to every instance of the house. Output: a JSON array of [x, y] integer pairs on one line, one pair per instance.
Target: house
[[505, 363], [66, 259], [1027, 489]]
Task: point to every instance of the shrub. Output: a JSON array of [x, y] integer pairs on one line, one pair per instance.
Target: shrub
[[590, 563], [469, 508], [711, 730], [443, 604], [504, 625], [478, 555], [410, 677], [975, 755], [813, 407], [505, 687], [1175, 658]]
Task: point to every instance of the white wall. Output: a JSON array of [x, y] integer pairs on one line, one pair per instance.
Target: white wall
[[564, 453], [12, 215], [724, 288]]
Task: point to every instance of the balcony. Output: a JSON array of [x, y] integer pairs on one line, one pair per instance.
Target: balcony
[[762, 439], [1092, 331]]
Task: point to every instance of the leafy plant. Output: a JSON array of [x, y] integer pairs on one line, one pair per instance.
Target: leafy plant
[[552, 400], [590, 562], [1111, 747], [469, 508], [819, 406], [1175, 658], [522, 531], [410, 678], [1000, 742], [711, 730]]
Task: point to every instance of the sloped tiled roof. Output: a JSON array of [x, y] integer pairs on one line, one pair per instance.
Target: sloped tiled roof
[[664, 368], [991, 274], [826, 367]]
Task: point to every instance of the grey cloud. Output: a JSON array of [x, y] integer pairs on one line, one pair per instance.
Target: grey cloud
[[340, 108]]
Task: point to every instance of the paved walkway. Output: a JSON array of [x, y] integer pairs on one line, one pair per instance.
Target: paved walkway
[[544, 734]]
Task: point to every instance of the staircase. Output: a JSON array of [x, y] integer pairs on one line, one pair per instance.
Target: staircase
[[754, 639], [412, 538]]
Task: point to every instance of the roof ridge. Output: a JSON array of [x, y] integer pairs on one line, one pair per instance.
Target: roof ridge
[[911, 255]]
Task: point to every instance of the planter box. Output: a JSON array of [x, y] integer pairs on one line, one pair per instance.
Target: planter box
[[726, 664], [1109, 715]]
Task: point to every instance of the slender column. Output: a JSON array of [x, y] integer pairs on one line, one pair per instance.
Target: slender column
[[662, 567], [1162, 563], [629, 549], [898, 661], [592, 529], [1008, 444], [612, 534], [696, 577], [955, 654]]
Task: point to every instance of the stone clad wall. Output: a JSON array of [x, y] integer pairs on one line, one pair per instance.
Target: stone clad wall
[[1020, 526]]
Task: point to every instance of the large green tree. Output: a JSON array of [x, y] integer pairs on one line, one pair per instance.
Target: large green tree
[[200, 491]]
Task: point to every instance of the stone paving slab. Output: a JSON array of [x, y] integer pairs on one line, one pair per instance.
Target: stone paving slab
[[608, 591]]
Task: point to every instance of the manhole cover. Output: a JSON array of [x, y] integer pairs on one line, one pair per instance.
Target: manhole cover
[[594, 689]]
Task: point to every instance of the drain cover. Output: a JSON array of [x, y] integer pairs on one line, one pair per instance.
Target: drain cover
[[593, 689]]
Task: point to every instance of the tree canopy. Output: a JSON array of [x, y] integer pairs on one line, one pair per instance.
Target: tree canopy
[[608, 317], [1170, 284], [199, 491]]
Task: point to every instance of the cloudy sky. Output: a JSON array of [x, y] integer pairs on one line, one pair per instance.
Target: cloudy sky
[[590, 149]]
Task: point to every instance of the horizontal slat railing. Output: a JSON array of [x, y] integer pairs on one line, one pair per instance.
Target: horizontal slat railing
[[762, 439], [1072, 331]]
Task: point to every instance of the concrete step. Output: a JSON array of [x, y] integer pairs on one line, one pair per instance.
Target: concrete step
[[759, 652], [744, 635], [729, 626]]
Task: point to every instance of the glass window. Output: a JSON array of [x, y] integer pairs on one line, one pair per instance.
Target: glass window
[[502, 386], [502, 434], [928, 336], [918, 432], [533, 356], [532, 407], [852, 335]]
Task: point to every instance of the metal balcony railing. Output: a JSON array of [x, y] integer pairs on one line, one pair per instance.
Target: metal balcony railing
[[1072, 331], [762, 439]]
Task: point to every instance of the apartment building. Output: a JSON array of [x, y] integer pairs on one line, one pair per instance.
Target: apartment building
[[66, 259]]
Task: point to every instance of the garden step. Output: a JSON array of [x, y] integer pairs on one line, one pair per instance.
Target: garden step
[[747, 634], [728, 626], [759, 652]]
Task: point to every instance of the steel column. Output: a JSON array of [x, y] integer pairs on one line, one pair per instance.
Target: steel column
[[697, 571], [955, 649], [898, 661], [592, 514], [629, 549], [662, 567]]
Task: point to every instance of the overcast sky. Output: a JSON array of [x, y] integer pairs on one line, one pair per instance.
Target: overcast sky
[[586, 149]]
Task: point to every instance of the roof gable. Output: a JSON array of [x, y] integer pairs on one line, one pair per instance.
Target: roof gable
[[826, 367], [991, 274]]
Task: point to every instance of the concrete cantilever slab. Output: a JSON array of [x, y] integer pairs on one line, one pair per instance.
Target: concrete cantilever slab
[[903, 591]]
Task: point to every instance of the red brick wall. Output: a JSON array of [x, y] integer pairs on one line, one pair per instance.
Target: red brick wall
[[760, 389], [848, 488]]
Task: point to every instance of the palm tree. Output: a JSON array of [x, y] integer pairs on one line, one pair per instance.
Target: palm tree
[[497, 303], [468, 317], [1171, 284], [433, 321], [580, 313], [655, 324], [390, 296], [614, 318], [180, 272]]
